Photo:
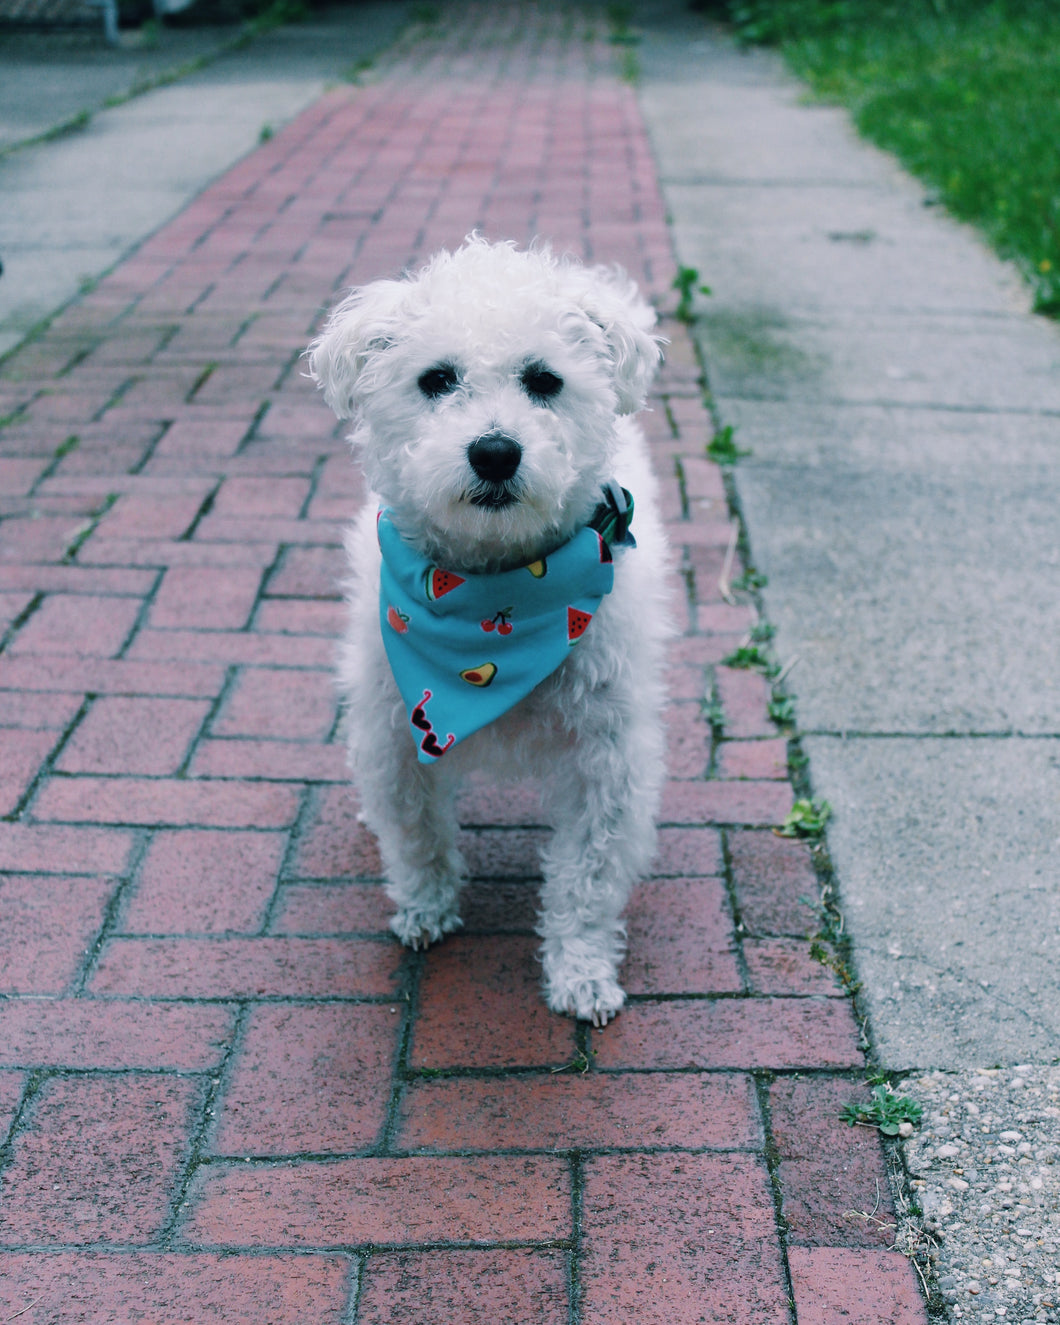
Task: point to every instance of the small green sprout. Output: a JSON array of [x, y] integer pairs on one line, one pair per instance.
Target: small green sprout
[[714, 714], [797, 761], [722, 447], [750, 657], [580, 1063], [821, 952], [806, 818], [750, 581], [887, 1111], [687, 283], [782, 710]]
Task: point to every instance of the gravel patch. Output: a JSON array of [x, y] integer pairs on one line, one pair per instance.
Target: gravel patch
[[985, 1170]]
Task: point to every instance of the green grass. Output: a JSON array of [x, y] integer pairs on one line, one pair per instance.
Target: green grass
[[966, 93]]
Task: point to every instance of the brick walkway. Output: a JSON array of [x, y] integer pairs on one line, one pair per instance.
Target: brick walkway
[[227, 1094]]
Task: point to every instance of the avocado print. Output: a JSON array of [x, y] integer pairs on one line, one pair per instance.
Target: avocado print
[[481, 675], [577, 624], [538, 568], [439, 582]]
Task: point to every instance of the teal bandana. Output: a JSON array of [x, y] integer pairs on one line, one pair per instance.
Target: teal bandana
[[466, 648]]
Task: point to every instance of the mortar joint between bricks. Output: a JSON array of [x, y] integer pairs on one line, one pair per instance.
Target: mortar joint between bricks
[[583, 1043], [243, 328], [293, 360], [85, 532], [197, 1141], [314, 483], [738, 928], [577, 1200], [831, 928], [35, 1081], [140, 620], [687, 572], [69, 443], [334, 734], [109, 924], [20, 620], [763, 1079], [212, 710], [413, 965], [152, 445], [75, 360], [206, 372], [255, 423], [191, 309], [295, 833], [48, 764], [168, 336], [114, 398], [204, 510], [682, 486], [355, 1282]]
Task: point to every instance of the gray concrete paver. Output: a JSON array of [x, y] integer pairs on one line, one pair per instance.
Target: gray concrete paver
[[950, 632], [761, 351], [944, 983]]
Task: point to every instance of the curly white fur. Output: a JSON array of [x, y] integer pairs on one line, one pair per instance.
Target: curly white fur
[[488, 320]]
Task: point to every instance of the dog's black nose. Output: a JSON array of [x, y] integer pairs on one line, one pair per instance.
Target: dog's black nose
[[494, 457]]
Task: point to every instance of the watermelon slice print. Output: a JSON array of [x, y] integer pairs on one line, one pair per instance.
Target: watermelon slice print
[[440, 582], [577, 624], [397, 621]]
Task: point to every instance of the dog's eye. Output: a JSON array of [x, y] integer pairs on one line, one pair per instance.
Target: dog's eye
[[438, 381], [540, 383]]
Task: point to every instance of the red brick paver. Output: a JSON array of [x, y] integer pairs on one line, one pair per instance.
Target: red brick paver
[[226, 1094]]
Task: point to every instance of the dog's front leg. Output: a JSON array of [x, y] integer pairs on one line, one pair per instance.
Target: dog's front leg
[[409, 807], [603, 806]]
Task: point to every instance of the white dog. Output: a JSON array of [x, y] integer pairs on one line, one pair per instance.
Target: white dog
[[492, 392]]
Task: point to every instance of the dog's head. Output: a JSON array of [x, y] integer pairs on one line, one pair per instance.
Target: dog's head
[[486, 388]]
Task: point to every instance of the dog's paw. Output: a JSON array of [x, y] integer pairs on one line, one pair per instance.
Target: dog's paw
[[598, 1001], [418, 927]]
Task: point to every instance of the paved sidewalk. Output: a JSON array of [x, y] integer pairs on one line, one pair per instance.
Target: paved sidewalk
[[228, 1095], [75, 206]]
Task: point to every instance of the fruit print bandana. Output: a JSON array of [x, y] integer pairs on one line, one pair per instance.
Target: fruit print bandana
[[466, 648]]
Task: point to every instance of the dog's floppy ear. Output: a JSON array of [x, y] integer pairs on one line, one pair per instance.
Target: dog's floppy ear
[[610, 299], [364, 325]]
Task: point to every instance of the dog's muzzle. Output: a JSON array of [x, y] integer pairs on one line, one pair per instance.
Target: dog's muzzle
[[495, 458]]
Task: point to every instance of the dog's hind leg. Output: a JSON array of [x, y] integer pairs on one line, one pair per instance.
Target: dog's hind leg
[[603, 803]]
